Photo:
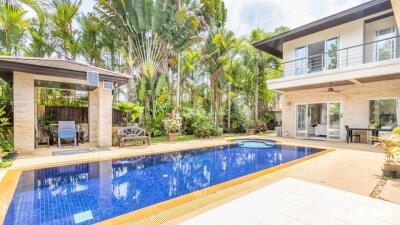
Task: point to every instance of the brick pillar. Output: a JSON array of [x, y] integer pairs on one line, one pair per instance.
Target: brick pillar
[[24, 112], [100, 116]]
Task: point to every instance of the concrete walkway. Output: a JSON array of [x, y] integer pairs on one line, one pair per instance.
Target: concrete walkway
[[292, 201]]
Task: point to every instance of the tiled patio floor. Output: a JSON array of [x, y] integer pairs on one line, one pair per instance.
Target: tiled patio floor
[[292, 201]]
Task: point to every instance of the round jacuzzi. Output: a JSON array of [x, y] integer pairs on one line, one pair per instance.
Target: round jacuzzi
[[255, 143]]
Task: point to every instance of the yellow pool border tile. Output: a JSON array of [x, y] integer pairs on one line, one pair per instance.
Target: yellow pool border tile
[[7, 187], [11, 178]]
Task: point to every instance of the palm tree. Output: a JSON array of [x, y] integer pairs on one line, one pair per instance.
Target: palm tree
[[13, 27], [41, 44], [62, 13], [90, 42]]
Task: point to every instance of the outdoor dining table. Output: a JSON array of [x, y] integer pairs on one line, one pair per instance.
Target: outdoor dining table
[[374, 131]]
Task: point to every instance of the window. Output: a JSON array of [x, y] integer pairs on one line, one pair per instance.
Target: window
[[331, 50], [384, 112], [300, 63], [385, 47]]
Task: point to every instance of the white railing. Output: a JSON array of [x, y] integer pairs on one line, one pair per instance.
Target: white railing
[[352, 56]]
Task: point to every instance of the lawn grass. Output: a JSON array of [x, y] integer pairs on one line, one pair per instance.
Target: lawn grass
[[162, 139]]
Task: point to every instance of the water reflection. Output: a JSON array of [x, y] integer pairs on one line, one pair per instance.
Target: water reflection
[[91, 192]]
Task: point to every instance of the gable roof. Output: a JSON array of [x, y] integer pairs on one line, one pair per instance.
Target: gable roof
[[58, 68], [274, 45]]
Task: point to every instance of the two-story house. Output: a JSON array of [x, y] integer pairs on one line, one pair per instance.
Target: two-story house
[[342, 70]]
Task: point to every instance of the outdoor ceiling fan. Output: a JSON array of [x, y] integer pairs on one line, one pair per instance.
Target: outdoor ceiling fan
[[332, 90]]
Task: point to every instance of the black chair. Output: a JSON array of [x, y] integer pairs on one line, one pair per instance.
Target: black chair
[[350, 135]]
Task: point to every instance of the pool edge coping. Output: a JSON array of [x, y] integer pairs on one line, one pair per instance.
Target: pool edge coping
[[12, 177]]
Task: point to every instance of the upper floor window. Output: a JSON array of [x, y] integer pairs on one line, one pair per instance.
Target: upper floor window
[[300, 60], [385, 47], [316, 57]]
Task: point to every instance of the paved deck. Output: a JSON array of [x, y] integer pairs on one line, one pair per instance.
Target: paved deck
[[292, 201]]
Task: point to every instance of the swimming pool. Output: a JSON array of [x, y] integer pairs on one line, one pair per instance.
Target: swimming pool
[[91, 192]]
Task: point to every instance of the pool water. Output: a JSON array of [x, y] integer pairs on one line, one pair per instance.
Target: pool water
[[91, 192]]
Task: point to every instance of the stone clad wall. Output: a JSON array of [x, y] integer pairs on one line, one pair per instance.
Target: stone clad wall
[[24, 112], [354, 98]]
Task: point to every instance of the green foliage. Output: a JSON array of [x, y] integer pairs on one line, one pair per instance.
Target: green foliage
[[13, 27], [62, 97], [6, 137], [61, 15], [132, 111], [269, 119], [154, 125], [239, 119], [198, 122]]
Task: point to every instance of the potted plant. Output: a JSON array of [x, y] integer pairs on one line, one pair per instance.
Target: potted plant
[[391, 143], [172, 126], [250, 128]]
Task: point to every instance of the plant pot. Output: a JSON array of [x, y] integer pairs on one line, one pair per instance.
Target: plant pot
[[391, 169], [10, 155], [250, 131], [172, 136], [391, 166]]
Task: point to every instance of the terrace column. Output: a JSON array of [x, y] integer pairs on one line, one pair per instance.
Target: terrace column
[[100, 116], [396, 9], [24, 112]]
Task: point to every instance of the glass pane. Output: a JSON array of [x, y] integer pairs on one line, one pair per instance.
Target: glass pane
[[385, 46], [332, 46], [301, 120], [383, 113], [334, 120], [300, 63]]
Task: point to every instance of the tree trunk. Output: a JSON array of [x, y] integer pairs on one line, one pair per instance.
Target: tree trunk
[[178, 82], [131, 84], [229, 106], [256, 96]]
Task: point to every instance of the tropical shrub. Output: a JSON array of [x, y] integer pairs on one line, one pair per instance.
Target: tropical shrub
[[131, 110], [391, 143], [189, 116], [154, 125], [202, 126], [239, 119], [269, 119], [6, 138]]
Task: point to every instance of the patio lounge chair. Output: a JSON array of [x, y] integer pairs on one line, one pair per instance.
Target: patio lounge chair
[[66, 131], [132, 133]]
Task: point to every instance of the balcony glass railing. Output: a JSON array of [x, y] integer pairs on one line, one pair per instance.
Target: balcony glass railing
[[381, 50]]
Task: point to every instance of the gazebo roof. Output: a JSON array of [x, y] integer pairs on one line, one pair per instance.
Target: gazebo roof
[[57, 68]]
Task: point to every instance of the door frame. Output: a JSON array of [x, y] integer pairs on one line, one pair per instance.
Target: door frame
[[327, 117]]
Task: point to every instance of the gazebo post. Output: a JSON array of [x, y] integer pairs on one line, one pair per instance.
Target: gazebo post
[[100, 116], [24, 112]]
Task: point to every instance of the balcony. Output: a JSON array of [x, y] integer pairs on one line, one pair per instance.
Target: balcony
[[381, 50]]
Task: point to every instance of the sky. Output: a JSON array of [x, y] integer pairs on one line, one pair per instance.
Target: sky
[[245, 15]]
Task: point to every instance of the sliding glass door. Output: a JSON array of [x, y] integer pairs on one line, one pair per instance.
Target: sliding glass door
[[319, 120], [334, 120], [301, 121]]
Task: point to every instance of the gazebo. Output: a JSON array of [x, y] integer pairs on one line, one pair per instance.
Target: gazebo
[[26, 74]]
